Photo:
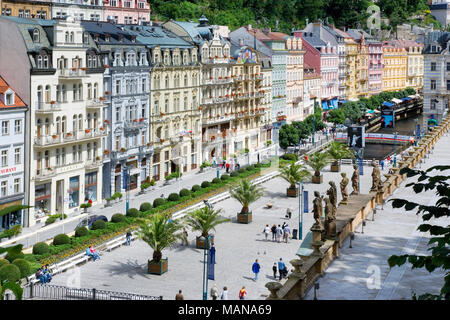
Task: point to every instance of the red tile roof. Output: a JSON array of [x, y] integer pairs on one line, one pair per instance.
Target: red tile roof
[[18, 102]]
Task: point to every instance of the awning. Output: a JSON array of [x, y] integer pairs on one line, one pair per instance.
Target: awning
[[430, 121], [370, 111], [334, 103], [377, 111], [388, 104], [324, 105], [369, 115], [406, 99], [396, 100], [343, 101]]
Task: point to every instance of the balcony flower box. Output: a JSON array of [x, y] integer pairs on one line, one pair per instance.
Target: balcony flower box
[[141, 120], [227, 96], [226, 114], [54, 136], [74, 69], [227, 77], [200, 108], [106, 152], [210, 78], [101, 99], [87, 131], [163, 114], [107, 92], [225, 56], [220, 78], [84, 69], [217, 57], [161, 140], [149, 144], [102, 129], [52, 102], [106, 66], [135, 120], [68, 134], [106, 121], [220, 97], [123, 149]]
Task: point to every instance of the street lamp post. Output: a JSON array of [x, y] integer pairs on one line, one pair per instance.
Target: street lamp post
[[127, 186], [300, 211], [395, 149], [205, 271]]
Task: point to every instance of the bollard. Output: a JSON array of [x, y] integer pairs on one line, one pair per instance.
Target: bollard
[[373, 214], [352, 237]]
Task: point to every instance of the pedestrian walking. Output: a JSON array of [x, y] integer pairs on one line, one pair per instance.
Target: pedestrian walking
[[214, 162], [128, 238], [184, 238], [288, 213], [255, 268], [223, 164], [274, 232], [281, 268], [274, 269], [284, 225], [382, 164], [286, 233], [214, 292], [279, 233], [227, 166], [224, 295], [179, 295], [266, 231], [242, 293]]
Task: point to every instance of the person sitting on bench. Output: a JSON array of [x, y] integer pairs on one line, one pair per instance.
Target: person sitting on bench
[[90, 252], [40, 276], [47, 274]]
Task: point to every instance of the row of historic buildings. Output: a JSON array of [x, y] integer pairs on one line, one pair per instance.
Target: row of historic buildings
[[100, 100], [119, 11]]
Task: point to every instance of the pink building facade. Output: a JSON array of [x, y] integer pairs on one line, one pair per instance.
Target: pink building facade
[[126, 11], [375, 51]]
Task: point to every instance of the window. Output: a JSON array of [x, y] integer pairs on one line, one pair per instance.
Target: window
[[117, 114], [17, 185], [433, 84], [4, 158], [5, 128], [17, 155], [4, 188], [433, 66], [118, 87], [9, 99], [17, 126], [58, 159], [36, 37], [144, 85], [448, 84]]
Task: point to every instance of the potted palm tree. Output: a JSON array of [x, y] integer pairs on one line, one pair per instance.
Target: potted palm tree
[[159, 232], [317, 162], [245, 192], [205, 220], [294, 174], [337, 151]]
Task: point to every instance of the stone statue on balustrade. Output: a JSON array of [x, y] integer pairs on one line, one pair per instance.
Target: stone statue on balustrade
[[317, 210], [344, 183], [330, 219], [376, 176], [355, 180]]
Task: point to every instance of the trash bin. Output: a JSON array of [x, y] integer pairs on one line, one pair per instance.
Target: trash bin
[[294, 233]]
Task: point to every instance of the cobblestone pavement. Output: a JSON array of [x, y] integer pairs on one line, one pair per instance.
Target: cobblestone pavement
[[393, 232], [237, 246]]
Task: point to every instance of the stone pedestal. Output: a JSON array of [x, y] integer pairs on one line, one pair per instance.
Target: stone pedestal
[[316, 232], [273, 287], [316, 247]]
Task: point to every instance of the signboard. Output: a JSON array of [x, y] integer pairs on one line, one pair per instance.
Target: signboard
[[356, 137], [125, 178], [305, 201]]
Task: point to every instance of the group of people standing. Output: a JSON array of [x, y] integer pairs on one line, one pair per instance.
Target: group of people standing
[[226, 165], [278, 232]]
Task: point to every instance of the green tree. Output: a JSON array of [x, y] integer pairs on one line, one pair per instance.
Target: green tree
[[205, 220], [336, 116], [337, 151], [288, 136], [439, 242], [317, 162], [246, 192], [294, 174]]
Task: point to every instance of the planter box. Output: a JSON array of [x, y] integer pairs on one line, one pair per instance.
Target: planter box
[[335, 168], [200, 242], [244, 218], [317, 179], [292, 192], [158, 267]]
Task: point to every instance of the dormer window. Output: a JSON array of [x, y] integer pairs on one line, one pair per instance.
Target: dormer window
[[107, 37], [9, 99], [36, 35]]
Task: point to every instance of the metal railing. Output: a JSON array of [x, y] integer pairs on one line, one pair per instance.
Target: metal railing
[[52, 292]]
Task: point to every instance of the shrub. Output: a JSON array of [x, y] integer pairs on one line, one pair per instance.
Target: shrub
[[241, 170], [118, 217], [216, 180], [225, 177], [51, 219], [206, 184], [116, 195], [10, 272], [185, 193], [158, 202], [174, 197], [13, 231], [145, 185], [3, 262], [289, 157], [99, 224], [41, 248], [24, 267], [195, 188], [85, 205], [234, 174], [145, 206], [152, 182], [61, 239], [250, 168], [81, 232], [173, 175], [133, 213], [13, 256]]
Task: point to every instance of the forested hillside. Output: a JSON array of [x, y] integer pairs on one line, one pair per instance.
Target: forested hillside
[[288, 13]]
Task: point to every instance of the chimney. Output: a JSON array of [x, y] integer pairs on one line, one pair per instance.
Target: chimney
[[241, 42], [317, 29]]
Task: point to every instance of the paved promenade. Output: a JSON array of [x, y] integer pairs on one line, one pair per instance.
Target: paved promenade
[[237, 246], [394, 231]]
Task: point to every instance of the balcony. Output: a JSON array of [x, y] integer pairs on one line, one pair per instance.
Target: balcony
[[135, 124], [215, 100], [44, 174], [93, 164], [46, 108], [95, 104], [218, 81], [217, 60], [73, 73], [239, 78], [57, 139], [214, 120]]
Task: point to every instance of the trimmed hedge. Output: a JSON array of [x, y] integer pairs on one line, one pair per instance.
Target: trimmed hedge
[[61, 239], [195, 188], [133, 213], [224, 177], [13, 256], [99, 224], [117, 217], [3, 262], [81, 232], [206, 184], [185, 193], [158, 202], [241, 170], [24, 267], [289, 157], [145, 206], [174, 197], [216, 180], [41, 248], [234, 174], [10, 272], [250, 168]]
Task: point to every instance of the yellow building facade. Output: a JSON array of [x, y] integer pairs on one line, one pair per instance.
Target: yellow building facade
[[26, 9], [362, 70], [395, 67], [351, 49]]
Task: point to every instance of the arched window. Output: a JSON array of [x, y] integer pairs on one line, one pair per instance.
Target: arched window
[[166, 82], [95, 120], [58, 125], [95, 90], [89, 93], [36, 35], [72, 37], [46, 65], [39, 96], [64, 93], [185, 80], [47, 94], [66, 37], [47, 126], [89, 121], [74, 123], [39, 62], [64, 124], [80, 122]]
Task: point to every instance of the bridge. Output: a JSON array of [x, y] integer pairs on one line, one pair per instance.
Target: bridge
[[380, 138]]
